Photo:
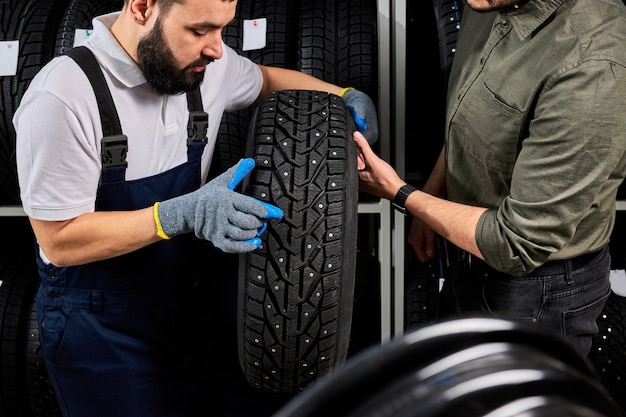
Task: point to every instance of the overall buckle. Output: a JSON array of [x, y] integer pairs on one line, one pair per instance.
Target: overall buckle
[[114, 150], [197, 127]]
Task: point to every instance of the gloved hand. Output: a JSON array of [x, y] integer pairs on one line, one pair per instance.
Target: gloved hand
[[364, 112], [232, 221]]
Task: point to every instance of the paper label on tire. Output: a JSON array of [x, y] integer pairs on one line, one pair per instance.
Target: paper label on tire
[[81, 35], [9, 53], [254, 34], [618, 282]]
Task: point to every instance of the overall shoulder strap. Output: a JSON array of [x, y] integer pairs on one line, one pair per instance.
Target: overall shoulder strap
[[108, 114], [114, 142], [194, 100]]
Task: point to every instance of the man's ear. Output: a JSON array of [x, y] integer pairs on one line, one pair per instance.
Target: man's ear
[[141, 10]]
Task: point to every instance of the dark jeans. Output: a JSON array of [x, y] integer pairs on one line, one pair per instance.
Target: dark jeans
[[565, 295]]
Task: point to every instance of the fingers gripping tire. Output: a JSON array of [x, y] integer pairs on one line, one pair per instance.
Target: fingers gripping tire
[[296, 290]]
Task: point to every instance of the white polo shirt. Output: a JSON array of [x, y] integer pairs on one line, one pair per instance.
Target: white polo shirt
[[59, 129]]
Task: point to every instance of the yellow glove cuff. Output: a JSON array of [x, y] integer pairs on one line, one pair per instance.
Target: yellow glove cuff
[[157, 221], [345, 90]]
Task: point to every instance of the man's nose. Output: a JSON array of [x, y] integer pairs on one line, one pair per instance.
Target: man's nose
[[213, 46]]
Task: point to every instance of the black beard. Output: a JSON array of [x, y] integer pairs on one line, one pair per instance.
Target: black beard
[[157, 62]]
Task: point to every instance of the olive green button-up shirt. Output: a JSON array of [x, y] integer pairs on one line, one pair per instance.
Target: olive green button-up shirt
[[536, 128]]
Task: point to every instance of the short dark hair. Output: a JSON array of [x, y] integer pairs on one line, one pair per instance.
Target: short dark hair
[[165, 5]]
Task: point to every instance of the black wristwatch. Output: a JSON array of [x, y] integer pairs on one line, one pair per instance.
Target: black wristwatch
[[400, 199]]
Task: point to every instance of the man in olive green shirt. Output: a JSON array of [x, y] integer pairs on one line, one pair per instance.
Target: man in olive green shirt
[[534, 155]]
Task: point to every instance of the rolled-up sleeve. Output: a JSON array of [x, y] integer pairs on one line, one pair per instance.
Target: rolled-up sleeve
[[562, 192]]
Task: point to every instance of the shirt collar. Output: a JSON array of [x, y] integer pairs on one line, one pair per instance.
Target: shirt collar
[[531, 15], [111, 54]]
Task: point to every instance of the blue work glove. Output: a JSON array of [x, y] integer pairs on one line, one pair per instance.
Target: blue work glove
[[364, 112], [232, 221]]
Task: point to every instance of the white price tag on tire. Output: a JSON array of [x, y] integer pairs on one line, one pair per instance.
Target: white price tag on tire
[[618, 282], [9, 53], [80, 35], [254, 34]]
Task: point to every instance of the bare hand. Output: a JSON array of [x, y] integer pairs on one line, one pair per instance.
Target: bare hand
[[376, 177], [423, 240]]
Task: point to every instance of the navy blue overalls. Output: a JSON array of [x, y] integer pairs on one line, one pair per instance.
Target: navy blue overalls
[[107, 327]]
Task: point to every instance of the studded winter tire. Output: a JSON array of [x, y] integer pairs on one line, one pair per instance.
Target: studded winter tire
[[608, 351], [448, 15], [296, 290]]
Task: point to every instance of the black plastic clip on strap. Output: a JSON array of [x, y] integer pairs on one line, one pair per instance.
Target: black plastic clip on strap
[[198, 124]]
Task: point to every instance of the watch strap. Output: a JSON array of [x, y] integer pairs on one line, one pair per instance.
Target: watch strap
[[399, 200]]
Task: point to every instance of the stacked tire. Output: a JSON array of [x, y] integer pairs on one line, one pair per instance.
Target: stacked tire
[[31, 24], [24, 387]]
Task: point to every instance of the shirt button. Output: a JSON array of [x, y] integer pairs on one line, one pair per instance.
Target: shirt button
[[51, 272], [504, 23]]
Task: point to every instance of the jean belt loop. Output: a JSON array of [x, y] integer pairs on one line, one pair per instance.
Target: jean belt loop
[[569, 276], [97, 301]]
